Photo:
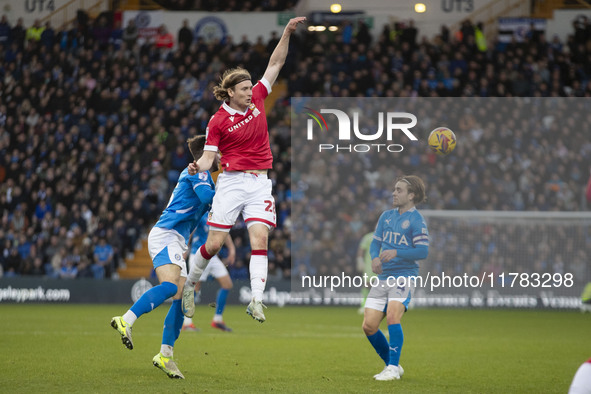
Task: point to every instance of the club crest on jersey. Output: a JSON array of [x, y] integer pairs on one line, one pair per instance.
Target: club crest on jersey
[[209, 216], [177, 256], [254, 109], [405, 224]]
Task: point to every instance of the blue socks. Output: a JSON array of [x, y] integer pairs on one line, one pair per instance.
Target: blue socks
[[389, 352], [152, 298], [221, 301], [173, 324], [380, 344], [396, 340]]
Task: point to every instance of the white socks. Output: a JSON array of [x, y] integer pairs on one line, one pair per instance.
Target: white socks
[[197, 266], [166, 350], [129, 317], [258, 274]]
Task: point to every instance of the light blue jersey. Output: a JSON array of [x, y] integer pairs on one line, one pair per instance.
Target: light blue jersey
[[190, 200], [408, 234], [200, 234]]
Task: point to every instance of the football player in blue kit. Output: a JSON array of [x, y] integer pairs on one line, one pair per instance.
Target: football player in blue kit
[[167, 244], [400, 239]]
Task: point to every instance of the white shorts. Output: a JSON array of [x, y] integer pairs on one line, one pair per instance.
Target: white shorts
[[167, 247], [215, 268], [581, 383], [242, 193], [380, 295]]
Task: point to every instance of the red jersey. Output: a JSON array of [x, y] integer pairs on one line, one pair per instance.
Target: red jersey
[[165, 41], [242, 137]]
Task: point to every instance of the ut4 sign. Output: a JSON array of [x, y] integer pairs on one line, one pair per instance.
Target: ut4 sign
[[388, 122]]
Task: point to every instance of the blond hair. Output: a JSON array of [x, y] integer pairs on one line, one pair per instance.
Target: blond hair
[[416, 186], [231, 78]]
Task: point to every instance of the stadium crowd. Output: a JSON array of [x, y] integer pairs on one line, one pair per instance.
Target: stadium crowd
[[93, 128], [227, 5]]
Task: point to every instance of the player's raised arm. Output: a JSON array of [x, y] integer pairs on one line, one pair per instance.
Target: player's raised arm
[[280, 53]]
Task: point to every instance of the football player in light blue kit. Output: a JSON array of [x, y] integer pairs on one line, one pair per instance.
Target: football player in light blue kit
[[167, 243], [400, 239], [215, 268]]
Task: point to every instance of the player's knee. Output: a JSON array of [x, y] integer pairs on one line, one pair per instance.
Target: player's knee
[[214, 246], [170, 289], [259, 236], [259, 242], [226, 282], [369, 329]]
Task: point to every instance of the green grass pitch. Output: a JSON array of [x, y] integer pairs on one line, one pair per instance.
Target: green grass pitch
[[72, 348]]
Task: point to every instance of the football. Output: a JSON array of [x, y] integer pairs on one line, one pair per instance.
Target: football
[[442, 141]]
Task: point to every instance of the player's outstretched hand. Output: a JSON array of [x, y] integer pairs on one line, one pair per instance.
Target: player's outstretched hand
[[293, 23], [193, 168]]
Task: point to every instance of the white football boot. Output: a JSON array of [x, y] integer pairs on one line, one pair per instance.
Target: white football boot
[[391, 372]]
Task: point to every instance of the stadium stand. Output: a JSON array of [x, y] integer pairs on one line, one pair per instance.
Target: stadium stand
[[93, 129]]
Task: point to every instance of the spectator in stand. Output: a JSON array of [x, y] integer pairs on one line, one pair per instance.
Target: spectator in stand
[[34, 32], [68, 270], [12, 262], [42, 209], [18, 33], [84, 269], [102, 33], [4, 31], [48, 36], [103, 258], [37, 268], [164, 39], [130, 34], [116, 38], [185, 36], [178, 162]]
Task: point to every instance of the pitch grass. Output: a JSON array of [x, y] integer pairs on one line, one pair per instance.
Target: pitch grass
[[72, 348]]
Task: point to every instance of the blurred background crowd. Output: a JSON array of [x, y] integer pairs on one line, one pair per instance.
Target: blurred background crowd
[[506, 160], [93, 129]]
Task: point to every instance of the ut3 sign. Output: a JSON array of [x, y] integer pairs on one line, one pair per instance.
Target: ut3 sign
[[344, 132]]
